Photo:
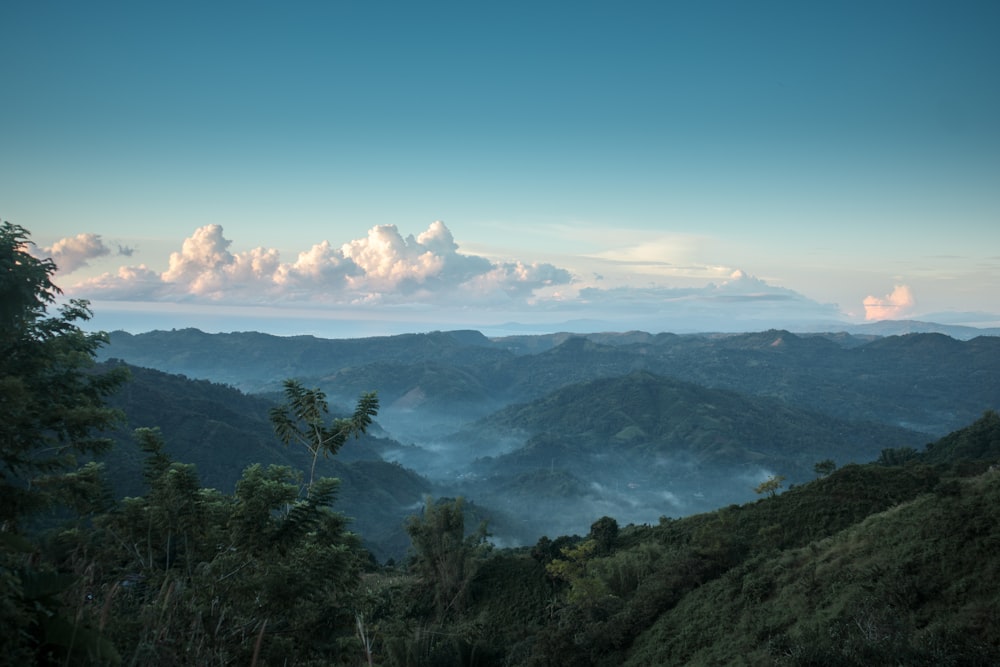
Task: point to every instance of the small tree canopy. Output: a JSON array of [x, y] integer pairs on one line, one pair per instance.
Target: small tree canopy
[[770, 485], [824, 467]]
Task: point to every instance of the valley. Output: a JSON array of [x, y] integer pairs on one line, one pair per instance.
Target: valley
[[544, 434]]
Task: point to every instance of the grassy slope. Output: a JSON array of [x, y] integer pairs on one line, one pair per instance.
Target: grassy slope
[[918, 583], [872, 565]]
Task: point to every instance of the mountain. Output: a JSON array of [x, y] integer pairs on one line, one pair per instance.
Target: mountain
[[894, 589], [429, 383], [551, 431], [643, 417], [869, 565], [901, 327], [256, 362], [222, 431], [641, 446]]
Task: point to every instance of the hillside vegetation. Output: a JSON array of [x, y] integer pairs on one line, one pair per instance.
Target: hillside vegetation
[[222, 431], [926, 382], [870, 565]]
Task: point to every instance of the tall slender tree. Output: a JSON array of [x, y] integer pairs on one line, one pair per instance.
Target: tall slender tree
[[302, 419]]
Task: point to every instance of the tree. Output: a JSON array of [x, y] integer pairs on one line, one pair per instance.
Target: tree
[[824, 467], [51, 405], [259, 576], [302, 419], [444, 556], [50, 402], [770, 485], [604, 532]]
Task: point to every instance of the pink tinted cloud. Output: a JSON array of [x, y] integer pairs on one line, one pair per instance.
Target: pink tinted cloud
[[894, 305]]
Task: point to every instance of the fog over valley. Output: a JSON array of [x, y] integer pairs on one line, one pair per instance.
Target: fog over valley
[[544, 434]]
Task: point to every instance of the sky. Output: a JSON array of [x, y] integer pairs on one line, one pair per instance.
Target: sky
[[363, 168]]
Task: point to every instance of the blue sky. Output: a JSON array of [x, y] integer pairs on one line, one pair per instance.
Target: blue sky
[[656, 165]]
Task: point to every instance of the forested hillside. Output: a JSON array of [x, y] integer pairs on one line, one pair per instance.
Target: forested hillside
[[925, 382], [642, 446], [636, 447], [549, 430], [222, 431]]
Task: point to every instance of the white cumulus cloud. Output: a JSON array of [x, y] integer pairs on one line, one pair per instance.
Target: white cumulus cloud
[[896, 304], [320, 267], [382, 267], [73, 252], [205, 267]]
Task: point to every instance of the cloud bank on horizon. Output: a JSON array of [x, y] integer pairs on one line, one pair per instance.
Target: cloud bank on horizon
[[384, 268]]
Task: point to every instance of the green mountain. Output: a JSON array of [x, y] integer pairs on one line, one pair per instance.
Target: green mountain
[[640, 416], [557, 429], [222, 431], [869, 565], [911, 585], [926, 382], [641, 446], [259, 362]]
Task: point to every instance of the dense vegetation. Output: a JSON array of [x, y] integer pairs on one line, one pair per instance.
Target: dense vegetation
[[891, 562]]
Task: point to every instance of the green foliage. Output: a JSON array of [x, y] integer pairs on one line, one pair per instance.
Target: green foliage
[[51, 405], [222, 431], [604, 533], [824, 467], [898, 456], [894, 588], [302, 420], [261, 575], [770, 485], [445, 557], [980, 441]]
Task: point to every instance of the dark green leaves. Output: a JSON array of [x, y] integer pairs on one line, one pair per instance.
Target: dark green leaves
[[302, 419], [51, 402]]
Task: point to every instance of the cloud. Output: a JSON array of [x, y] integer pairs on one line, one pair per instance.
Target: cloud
[[894, 305], [382, 267], [740, 300], [74, 252], [322, 267], [136, 283], [510, 281], [427, 275], [388, 262], [205, 267]]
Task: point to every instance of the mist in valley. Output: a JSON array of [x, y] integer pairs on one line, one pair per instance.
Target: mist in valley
[[543, 435], [523, 501]]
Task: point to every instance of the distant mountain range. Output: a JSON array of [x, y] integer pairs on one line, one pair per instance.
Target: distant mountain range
[[931, 383], [900, 327], [546, 433]]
